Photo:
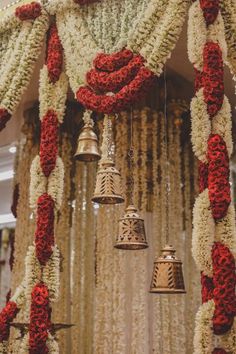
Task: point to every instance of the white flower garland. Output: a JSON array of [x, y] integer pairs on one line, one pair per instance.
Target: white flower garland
[[203, 331], [203, 233], [32, 272], [51, 274], [52, 345], [47, 93], [225, 230], [39, 184], [25, 50], [199, 34]]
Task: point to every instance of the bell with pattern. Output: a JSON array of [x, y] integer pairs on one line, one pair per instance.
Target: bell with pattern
[[87, 149], [167, 275], [108, 189], [131, 233]]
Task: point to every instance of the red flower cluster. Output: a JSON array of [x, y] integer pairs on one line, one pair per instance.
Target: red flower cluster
[[48, 142], [54, 58], [29, 11], [224, 280], [85, 2], [7, 315], [202, 176], [213, 78], [218, 176], [113, 62], [198, 83], [117, 81], [103, 81], [207, 288], [4, 118], [40, 320], [219, 351], [210, 10], [44, 235]]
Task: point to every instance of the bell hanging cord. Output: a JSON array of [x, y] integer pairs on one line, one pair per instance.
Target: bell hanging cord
[[131, 163]]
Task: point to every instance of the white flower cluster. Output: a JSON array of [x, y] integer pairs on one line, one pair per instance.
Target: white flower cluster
[[18, 59], [52, 96], [39, 184], [51, 274]]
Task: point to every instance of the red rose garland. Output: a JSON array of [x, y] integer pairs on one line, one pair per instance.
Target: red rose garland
[[224, 280], [48, 142], [7, 315], [218, 177], [40, 319], [44, 235], [213, 78], [54, 58], [210, 10], [207, 288], [29, 11], [117, 81]]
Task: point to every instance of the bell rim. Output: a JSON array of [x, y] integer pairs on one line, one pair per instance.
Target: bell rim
[[123, 245], [167, 260], [130, 217], [167, 291], [82, 157], [110, 199]]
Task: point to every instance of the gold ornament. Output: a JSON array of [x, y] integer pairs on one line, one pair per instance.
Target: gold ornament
[[131, 234], [87, 149], [167, 275], [108, 189]]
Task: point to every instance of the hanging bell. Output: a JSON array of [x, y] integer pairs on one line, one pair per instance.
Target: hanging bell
[[87, 149], [131, 233], [167, 275], [108, 189]]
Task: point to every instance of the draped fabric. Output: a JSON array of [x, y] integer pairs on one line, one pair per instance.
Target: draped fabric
[[105, 291]]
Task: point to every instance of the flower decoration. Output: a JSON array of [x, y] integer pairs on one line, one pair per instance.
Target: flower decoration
[[116, 82], [207, 288], [219, 351], [218, 177], [29, 11], [85, 2], [210, 10], [4, 118], [54, 54], [203, 176], [7, 315]]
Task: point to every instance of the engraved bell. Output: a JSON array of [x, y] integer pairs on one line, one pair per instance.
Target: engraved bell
[[87, 149], [167, 277]]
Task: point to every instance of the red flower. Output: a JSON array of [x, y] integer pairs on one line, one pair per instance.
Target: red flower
[[4, 118], [224, 280], [7, 315], [40, 319], [48, 142], [213, 78], [117, 81], [219, 351], [218, 176], [210, 10], [207, 288], [54, 58], [202, 176], [29, 11], [198, 80], [44, 235]]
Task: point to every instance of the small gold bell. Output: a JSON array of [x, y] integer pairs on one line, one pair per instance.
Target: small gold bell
[[87, 149], [108, 189], [131, 235], [167, 275]]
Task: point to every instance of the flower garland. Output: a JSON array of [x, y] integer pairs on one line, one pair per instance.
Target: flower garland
[[214, 234], [24, 30], [121, 75]]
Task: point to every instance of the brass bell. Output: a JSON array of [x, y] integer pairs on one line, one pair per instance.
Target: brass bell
[[131, 234], [87, 149], [108, 189], [167, 275]]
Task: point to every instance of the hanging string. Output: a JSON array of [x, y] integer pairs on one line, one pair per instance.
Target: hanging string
[[131, 162], [166, 155]]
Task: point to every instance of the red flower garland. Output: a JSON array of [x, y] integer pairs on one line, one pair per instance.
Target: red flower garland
[[44, 235], [218, 177], [113, 62], [207, 288], [29, 11], [4, 118], [210, 10], [219, 351], [48, 142], [54, 58], [112, 82], [213, 78], [7, 315], [224, 279], [202, 176], [40, 319]]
